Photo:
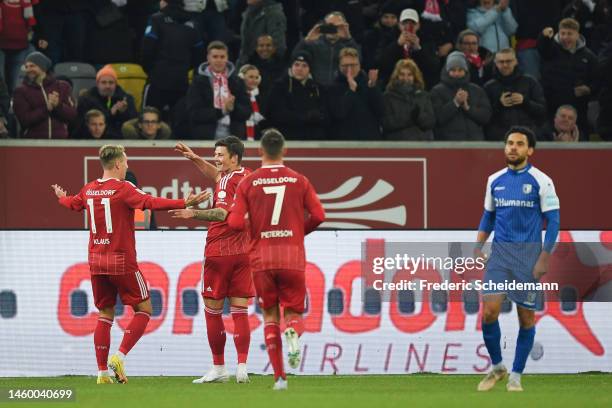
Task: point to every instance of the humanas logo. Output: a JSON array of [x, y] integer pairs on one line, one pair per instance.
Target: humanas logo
[[502, 202], [412, 264]]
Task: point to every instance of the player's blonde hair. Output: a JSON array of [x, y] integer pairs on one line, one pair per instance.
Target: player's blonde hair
[[110, 153]]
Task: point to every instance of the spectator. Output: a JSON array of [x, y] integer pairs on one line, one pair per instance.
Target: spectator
[[271, 65], [325, 47], [564, 126], [5, 104], [385, 32], [63, 33], [532, 16], [409, 114], [251, 77], [356, 103], [209, 16], [42, 104], [16, 21], [297, 104], [147, 126], [108, 97], [462, 108], [409, 45], [480, 60], [171, 46], [569, 69], [494, 23], [109, 38], [436, 26], [95, 126], [516, 99], [262, 17], [604, 121], [217, 103]]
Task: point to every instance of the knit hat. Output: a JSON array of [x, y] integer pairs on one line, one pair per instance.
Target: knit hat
[[456, 59], [303, 56], [39, 59], [106, 70]]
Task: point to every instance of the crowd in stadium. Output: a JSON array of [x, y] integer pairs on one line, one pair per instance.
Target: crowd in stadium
[[427, 70]]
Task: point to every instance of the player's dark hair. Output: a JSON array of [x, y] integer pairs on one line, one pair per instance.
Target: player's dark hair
[[272, 142], [234, 146], [523, 130]]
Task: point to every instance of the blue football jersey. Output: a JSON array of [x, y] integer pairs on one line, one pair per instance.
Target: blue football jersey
[[519, 198]]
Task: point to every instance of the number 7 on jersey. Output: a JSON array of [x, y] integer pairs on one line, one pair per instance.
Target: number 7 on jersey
[[279, 191]]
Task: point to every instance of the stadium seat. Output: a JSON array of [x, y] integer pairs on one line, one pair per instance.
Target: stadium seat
[[132, 78], [82, 75]]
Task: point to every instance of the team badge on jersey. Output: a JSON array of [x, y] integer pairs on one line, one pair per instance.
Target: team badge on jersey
[[527, 188], [221, 195]]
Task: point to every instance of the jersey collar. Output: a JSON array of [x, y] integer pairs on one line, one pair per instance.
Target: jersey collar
[[273, 166], [521, 171]]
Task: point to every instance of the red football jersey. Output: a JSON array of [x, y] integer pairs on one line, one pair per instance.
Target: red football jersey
[[277, 200], [221, 240], [110, 205]]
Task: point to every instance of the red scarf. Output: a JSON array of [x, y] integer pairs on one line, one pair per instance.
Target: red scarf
[[432, 11], [220, 89], [28, 11], [250, 124], [475, 60]]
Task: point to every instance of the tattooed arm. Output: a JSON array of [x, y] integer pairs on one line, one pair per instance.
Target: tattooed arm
[[214, 214]]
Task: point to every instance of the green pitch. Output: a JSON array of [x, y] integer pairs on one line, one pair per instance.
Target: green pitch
[[422, 390]]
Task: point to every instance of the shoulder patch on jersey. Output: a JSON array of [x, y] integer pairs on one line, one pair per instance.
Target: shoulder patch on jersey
[[551, 200]]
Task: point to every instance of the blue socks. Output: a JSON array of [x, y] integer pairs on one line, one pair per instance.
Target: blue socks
[[492, 336], [524, 343]]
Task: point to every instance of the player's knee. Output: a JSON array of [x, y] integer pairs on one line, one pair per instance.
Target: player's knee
[[490, 313], [144, 307], [215, 304], [107, 313]]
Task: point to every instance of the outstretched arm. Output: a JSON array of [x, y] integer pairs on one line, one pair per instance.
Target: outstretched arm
[[205, 167], [213, 214], [71, 202]]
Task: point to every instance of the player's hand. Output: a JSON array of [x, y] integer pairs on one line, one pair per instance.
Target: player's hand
[[59, 192], [479, 254], [186, 151], [186, 214], [541, 266], [196, 199]]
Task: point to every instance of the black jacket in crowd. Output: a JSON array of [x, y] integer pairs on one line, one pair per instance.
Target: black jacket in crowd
[[530, 113], [409, 114], [203, 116], [93, 100], [355, 115], [172, 45], [298, 109]]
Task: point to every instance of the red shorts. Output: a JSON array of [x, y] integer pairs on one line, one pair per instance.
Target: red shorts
[[284, 286], [132, 288], [227, 276]]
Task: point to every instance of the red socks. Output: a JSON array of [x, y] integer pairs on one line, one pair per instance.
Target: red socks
[[242, 332], [297, 324], [134, 331], [102, 342], [274, 346], [216, 334]]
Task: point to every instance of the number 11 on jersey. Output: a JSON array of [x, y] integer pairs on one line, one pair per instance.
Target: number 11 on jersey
[[107, 214]]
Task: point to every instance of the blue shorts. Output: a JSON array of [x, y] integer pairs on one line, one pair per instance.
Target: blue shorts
[[499, 271]]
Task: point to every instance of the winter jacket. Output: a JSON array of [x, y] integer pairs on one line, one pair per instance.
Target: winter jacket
[[270, 70], [563, 70], [265, 18], [374, 42], [203, 116], [299, 109], [325, 57], [130, 130], [452, 122], [355, 115], [172, 45], [409, 113], [530, 113], [426, 59], [30, 107], [93, 100], [494, 28]]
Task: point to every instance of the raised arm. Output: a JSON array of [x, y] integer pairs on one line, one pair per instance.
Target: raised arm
[[205, 167], [74, 203]]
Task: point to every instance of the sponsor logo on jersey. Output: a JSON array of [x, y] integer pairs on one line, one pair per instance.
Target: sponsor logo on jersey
[[502, 202], [499, 188]]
